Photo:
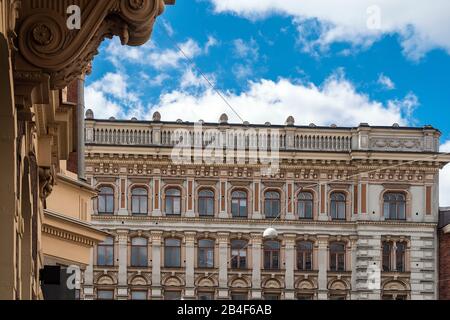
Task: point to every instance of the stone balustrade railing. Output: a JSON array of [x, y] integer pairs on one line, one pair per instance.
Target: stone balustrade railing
[[254, 137]]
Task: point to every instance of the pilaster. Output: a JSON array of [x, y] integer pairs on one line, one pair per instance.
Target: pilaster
[[256, 239], [156, 237], [289, 247], [223, 265]]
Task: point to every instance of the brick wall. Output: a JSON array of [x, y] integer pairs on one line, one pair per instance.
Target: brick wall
[[444, 266]]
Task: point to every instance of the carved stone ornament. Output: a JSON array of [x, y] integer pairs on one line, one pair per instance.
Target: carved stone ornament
[[47, 44], [46, 182]]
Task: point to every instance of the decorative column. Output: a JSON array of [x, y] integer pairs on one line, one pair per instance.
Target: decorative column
[[289, 247], [322, 241], [256, 273], [352, 266], [157, 211], [81, 128], [323, 212], [88, 286], [189, 238], [123, 196], [122, 289], [190, 210], [256, 199], [223, 265], [223, 213], [156, 265], [290, 205]]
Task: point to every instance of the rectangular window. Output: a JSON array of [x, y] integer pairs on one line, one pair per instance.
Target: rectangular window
[[206, 257], [272, 296], [338, 297], [172, 295], [205, 295], [139, 256], [172, 254], [139, 295], [105, 294], [239, 296], [105, 253]]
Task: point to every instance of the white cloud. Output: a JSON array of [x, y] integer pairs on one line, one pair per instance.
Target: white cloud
[[212, 42], [246, 49], [335, 102], [150, 55], [386, 82], [172, 57], [444, 179], [242, 71], [111, 97], [191, 79], [421, 25]]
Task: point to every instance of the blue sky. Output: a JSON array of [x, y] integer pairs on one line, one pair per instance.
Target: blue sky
[[326, 62]]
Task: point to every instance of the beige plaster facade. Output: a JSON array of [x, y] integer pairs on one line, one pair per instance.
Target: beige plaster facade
[[365, 165]]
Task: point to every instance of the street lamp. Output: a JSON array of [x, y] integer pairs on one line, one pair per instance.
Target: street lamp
[[270, 233]]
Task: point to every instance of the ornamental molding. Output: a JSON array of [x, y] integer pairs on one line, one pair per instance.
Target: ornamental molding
[[100, 219], [69, 236], [387, 144], [47, 45]]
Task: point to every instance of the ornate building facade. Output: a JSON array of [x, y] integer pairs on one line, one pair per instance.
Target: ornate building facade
[[348, 213], [41, 55], [444, 253]]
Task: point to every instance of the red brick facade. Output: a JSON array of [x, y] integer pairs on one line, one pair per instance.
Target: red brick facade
[[444, 266]]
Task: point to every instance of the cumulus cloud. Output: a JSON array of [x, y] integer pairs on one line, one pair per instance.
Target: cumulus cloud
[[212, 42], [246, 49], [111, 97], [386, 82], [420, 25], [336, 101], [150, 55], [444, 187]]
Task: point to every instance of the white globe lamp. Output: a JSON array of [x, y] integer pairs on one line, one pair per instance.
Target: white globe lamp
[[270, 233]]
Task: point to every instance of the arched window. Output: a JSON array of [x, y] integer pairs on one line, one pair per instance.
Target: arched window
[[206, 253], [305, 256], [272, 204], [105, 200], [394, 206], [400, 255], [139, 252], [105, 253], [272, 255], [338, 206], [139, 201], [172, 253], [206, 203], [239, 204], [337, 256], [238, 254], [387, 256], [305, 205], [173, 201]]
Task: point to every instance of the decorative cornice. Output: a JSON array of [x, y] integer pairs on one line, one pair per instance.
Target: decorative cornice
[[46, 43], [262, 222], [66, 235]]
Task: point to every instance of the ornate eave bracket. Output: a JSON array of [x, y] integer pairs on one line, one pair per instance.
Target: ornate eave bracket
[[47, 45]]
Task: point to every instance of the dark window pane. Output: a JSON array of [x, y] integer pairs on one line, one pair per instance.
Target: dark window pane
[[239, 296], [172, 253], [105, 294], [139, 295], [205, 296], [172, 295]]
